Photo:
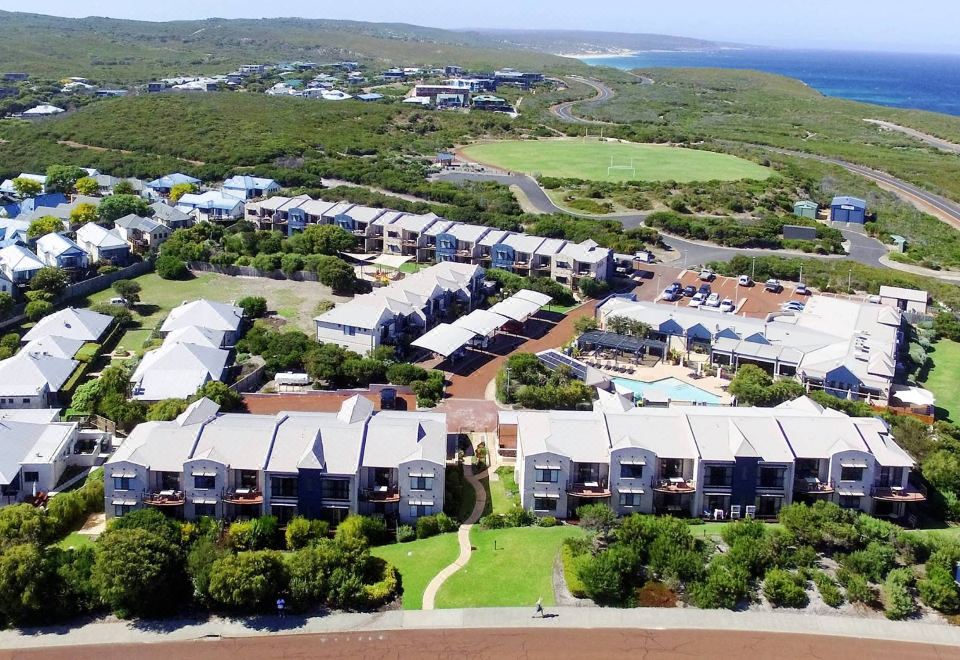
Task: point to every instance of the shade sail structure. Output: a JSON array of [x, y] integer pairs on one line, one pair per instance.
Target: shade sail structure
[[445, 339], [913, 395], [516, 309], [390, 260], [622, 343], [533, 296], [481, 321]]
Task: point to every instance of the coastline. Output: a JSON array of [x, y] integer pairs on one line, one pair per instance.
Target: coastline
[[606, 55]]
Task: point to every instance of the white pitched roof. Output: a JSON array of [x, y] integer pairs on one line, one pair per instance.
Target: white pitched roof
[[19, 259], [204, 314], [28, 374], [481, 321], [914, 295], [56, 244], [98, 236], [73, 323], [195, 335], [444, 339], [29, 443], [60, 347], [177, 371]]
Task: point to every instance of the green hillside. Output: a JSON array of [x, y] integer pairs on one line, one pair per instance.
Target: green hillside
[[123, 51]]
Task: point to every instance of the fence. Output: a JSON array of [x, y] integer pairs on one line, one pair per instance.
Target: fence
[[249, 382], [250, 271]]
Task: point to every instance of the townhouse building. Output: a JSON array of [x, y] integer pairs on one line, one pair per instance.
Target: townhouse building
[[18, 264], [693, 461], [272, 213], [460, 243], [58, 251], [319, 465], [142, 234], [103, 245], [212, 206]]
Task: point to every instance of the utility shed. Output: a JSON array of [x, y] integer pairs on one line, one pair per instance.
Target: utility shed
[[806, 209], [848, 209]]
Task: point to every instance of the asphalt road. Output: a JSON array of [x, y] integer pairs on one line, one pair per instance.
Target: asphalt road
[[564, 111]]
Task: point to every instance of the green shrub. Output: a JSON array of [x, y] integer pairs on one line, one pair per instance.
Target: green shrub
[[572, 564], [371, 530], [610, 577], [406, 533], [301, 532], [446, 523], [547, 521], [784, 589], [493, 521], [248, 581], [518, 517], [828, 589], [873, 562], [858, 590], [898, 601], [427, 526], [253, 306], [723, 587], [384, 590], [171, 268]]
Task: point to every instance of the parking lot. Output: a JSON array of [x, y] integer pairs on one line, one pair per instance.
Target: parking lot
[[753, 301]]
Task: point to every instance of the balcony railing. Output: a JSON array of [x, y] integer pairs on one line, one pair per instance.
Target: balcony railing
[[813, 486], [675, 486], [381, 494], [899, 494], [164, 498], [588, 488], [243, 496]]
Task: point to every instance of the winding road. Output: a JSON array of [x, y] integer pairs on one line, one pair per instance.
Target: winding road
[[564, 111]]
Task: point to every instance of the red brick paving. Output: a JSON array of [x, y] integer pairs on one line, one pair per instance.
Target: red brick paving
[[314, 401]]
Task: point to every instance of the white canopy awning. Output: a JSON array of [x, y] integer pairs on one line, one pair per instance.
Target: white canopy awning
[[123, 502], [914, 395], [633, 491], [391, 260], [481, 321], [550, 496], [445, 339], [359, 257], [421, 502], [516, 309], [533, 296]]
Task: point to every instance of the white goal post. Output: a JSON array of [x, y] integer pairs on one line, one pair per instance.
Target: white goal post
[[622, 168]]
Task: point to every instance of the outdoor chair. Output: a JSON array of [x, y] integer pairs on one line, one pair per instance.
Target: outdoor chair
[[734, 512]]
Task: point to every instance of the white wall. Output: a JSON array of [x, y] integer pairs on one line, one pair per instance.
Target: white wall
[[407, 494], [646, 482], [362, 342]]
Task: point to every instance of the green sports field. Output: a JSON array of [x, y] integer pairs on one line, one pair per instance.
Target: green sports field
[[591, 160]]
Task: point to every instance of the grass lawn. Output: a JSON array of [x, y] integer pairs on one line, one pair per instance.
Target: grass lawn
[[712, 529], [75, 540], [412, 267], [418, 562], [518, 572], [561, 309], [503, 491], [942, 378], [576, 159]]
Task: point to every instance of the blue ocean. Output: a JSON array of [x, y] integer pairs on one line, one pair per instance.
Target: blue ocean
[[901, 80]]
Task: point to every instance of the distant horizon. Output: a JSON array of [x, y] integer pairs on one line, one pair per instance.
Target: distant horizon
[[853, 25]]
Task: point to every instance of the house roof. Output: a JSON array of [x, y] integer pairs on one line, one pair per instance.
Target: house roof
[[61, 347], [580, 436], [133, 221], [19, 259], [72, 323], [396, 438], [468, 233], [57, 245], [212, 199], [29, 374], [243, 182], [523, 242], [99, 237], [168, 213], [417, 223], [842, 200], [195, 335], [170, 180], [913, 295], [204, 314], [585, 252], [22, 442], [176, 371]]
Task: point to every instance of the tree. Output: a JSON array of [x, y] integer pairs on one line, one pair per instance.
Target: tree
[[87, 185], [164, 411], [6, 303], [25, 583], [598, 518], [24, 523], [171, 268], [593, 288], [37, 309], [181, 189], [83, 213], [610, 577], [947, 325], [62, 178], [128, 290], [25, 187], [221, 394], [114, 406], [85, 396], [151, 520], [248, 580], [336, 274], [585, 324], [50, 280], [322, 239], [48, 224], [138, 573], [116, 206], [200, 560], [124, 187]]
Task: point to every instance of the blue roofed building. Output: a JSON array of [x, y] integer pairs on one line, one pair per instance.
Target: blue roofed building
[[163, 185], [47, 200], [212, 206], [250, 187], [848, 209]]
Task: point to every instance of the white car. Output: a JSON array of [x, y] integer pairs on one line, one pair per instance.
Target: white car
[[706, 275], [669, 295], [713, 300], [727, 305], [745, 280], [697, 300]]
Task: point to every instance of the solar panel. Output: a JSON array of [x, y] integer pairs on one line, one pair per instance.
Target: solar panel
[[553, 359]]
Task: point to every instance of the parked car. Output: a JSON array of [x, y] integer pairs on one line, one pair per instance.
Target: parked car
[[706, 275], [802, 290], [773, 286], [727, 305], [689, 290], [118, 301], [713, 300], [745, 280], [669, 295], [697, 300], [676, 286], [792, 306], [643, 257], [705, 290]]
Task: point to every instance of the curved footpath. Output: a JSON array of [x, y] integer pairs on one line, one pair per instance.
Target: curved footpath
[[112, 632], [463, 538]]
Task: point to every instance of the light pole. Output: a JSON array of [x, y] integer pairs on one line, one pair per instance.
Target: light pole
[[753, 268], [850, 280]]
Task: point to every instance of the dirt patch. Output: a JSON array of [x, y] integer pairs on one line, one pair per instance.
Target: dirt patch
[[91, 147]]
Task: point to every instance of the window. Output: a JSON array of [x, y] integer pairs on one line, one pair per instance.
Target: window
[[421, 483], [169, 481], [121, 483], [719, 477], [548, 475], [283, 487], [771, 477], [629, 499], [768, 507], [851, 474], [205, 510], [349, 330], [120, 509], [670, 467], [204, 482], [26, 399], [544, 504], [417, 510], [335, 489], [850, 501], [248, 478], [890, 476], [31, 477], [631, 471]]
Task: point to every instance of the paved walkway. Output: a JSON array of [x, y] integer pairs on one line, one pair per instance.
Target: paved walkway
[[113, 631], [463, 538]]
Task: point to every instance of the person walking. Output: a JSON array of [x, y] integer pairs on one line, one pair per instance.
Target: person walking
[[539, 607], [281, 607]]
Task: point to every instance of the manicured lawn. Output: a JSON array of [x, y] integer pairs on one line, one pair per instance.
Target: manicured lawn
[[418, 562], [518, 572], [76, 540], [412, 267], [504, 491], [576, 159], [942, 378], [712, 529]]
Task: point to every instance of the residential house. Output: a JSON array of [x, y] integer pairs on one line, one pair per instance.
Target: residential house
[[141, 234], [61, 211], [250, 187], [103, 245], [301, 215], [212, 206], [207, 314], [60, 252], [405, 236], [318, 465], [576, 261], [6, 286], [486, 243], [18, 264], [70, 323], [106, 184], [164, 184], [373, 241], [906, 300], [272, 213], [13, 231], [8, 187], [427, 251], [33, 380], [176, 371], [170, 216], [461, 243], [31, 204], [516, 252]]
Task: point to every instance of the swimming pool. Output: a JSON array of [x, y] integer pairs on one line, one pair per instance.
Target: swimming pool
[[674, 388]]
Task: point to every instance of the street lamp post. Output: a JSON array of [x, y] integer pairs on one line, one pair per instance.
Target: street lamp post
[[753, 268]]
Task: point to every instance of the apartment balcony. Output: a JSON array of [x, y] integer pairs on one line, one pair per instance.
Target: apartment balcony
[[813, 486], [381, 494], [898, 493], [243, 496], [521, 265], [359, 232], [675, 486], [164, 498], [464, 253], [588, 488], [409, 242]]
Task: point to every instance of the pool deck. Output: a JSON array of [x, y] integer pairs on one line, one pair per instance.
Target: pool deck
[[659, 371]]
